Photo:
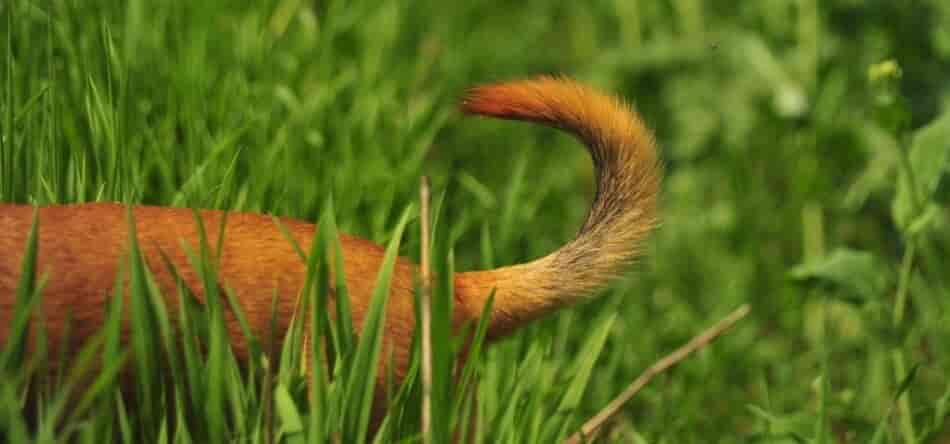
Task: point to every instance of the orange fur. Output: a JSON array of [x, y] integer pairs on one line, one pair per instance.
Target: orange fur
[[81, 246]]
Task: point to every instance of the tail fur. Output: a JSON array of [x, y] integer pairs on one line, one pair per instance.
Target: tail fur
[[622, 214]]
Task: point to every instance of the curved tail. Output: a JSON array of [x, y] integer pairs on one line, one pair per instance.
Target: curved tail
[[621, 216]]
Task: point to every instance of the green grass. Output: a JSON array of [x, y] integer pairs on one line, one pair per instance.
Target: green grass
[[802, 178]]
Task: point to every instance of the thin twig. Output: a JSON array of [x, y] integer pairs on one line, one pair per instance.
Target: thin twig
[[592, 426], [426, 315]]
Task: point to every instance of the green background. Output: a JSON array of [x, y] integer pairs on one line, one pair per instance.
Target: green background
[[779, 151]]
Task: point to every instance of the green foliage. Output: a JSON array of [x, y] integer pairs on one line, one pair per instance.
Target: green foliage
[[857, 272], [927, 159], [806, 152]]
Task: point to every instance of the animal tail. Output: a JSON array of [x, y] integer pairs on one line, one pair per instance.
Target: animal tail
[[622, 214]]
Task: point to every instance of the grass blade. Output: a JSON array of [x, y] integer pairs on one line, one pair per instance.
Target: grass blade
[[27, 298], [143, 341], [359, 393]]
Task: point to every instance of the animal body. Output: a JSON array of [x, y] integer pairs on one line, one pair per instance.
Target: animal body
[[81, 246]]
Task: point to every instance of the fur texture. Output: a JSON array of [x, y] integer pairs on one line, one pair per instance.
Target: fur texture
[[82, 246]]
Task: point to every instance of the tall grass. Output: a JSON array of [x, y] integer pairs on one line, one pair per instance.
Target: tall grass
[[803, 177]]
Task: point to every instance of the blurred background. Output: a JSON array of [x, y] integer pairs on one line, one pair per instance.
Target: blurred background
[[787, 144]]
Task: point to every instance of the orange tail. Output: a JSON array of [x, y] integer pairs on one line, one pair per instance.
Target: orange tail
[[621, 216]]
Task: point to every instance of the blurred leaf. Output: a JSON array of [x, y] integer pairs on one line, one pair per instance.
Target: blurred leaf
[[927, 159], [858, 273], [930, 152], [878, 172]]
